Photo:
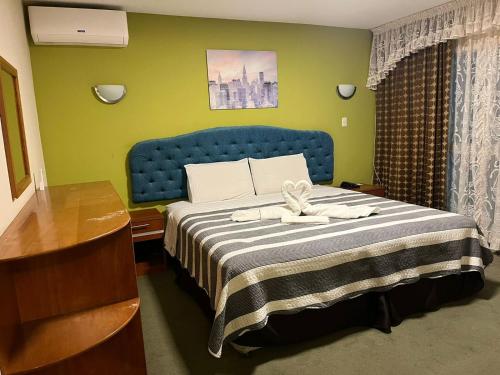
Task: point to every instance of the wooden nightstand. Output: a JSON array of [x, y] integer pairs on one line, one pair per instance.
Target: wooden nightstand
[[148, 229], [147, 225], [377, 190]]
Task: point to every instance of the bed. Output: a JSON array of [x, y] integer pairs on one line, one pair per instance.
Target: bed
[[256, 279]]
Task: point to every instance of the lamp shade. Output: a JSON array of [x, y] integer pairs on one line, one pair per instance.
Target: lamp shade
[[110, 94], [346, 90]]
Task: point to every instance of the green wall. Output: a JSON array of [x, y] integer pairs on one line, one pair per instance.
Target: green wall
[[164, 68]]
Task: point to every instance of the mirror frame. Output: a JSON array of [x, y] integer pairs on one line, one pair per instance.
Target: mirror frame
[[16, 188]]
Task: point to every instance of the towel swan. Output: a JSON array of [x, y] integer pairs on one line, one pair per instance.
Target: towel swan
[[298, 204]]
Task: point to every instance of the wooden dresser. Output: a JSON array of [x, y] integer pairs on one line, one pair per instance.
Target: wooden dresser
[[68, 295]]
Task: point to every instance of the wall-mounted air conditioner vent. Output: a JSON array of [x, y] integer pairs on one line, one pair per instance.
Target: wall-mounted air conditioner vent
[[78, 26]]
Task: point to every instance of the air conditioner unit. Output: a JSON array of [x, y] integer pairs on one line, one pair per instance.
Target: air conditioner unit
[[78, 26]]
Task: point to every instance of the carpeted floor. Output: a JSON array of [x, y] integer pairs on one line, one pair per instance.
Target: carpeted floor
[[462, 338]]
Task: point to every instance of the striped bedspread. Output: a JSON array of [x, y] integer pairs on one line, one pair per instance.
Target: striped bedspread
[[253, 269]]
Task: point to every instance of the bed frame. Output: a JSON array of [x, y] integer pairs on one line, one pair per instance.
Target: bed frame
[[381, 310], [157, 166]]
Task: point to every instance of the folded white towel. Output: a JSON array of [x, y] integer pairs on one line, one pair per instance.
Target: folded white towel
[[292, 219], [296, 197], [264, 213]]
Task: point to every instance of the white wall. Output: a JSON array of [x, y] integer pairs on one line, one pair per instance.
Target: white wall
[[14, 49]]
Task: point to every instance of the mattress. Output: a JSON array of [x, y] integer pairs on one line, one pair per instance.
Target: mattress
[[252, 270]]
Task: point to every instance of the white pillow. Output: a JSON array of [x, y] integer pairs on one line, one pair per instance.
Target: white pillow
[[219, 181], [269, 174]]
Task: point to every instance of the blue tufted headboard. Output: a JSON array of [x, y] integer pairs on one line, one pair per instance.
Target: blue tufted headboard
[[157, 166]]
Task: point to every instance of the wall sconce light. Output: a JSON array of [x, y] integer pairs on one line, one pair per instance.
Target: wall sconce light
[[346, 91], [110, 94]]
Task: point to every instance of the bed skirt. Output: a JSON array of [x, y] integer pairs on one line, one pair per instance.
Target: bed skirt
[[380, 310]]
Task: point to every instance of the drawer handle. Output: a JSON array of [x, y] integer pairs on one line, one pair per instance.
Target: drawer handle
[[140, 226]]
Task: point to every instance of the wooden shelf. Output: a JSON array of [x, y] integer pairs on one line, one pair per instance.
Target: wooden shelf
[[45, 342]]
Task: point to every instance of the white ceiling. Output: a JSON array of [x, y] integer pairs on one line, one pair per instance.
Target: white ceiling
[[363, 14]]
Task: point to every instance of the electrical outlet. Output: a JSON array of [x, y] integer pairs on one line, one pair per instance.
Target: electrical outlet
[[344, 122]]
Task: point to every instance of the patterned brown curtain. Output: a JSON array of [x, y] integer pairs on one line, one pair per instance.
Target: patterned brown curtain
[[412, 127]]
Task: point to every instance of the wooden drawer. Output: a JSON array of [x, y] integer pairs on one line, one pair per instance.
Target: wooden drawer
[[147, 225]]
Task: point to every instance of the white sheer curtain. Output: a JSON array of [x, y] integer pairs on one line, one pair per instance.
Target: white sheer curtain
[[474, 186], [455, 19]]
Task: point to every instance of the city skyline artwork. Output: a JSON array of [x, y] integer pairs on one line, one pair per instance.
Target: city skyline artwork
[[240, 79]]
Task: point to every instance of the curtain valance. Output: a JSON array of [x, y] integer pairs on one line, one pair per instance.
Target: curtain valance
[[396, 40]]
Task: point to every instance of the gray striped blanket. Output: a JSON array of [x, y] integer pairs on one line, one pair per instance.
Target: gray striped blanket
[[253, 269]]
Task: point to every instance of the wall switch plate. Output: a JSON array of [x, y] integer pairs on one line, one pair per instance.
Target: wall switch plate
[[344, 122]]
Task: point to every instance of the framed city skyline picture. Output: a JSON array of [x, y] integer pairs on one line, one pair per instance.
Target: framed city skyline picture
[[239, 79]]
